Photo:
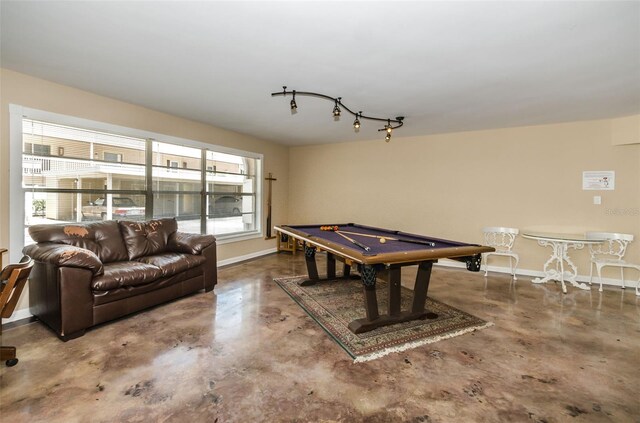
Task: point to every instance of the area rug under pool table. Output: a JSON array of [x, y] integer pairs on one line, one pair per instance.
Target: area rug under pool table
[[333, 304]]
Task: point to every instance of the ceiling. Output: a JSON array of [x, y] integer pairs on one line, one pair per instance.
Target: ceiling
[[445, 66]]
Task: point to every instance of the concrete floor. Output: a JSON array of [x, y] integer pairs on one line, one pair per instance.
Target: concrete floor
[[247, 353]]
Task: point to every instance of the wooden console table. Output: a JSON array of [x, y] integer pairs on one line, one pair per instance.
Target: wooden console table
[[288, 244]]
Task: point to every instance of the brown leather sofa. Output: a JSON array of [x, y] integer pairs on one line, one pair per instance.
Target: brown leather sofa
[[87, 274]]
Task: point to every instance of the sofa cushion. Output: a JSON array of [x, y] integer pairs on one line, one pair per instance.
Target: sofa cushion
[[124, 274], [172, 263], [147, 238], [147, 290], [187, 243], [101, 238]]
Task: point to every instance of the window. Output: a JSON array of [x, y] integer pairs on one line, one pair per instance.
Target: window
[[231, 192], [104, 175], [38, 149], [177, 191], [73, 187], [112, 157]]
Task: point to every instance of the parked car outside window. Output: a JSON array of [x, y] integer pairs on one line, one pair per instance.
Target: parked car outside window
[[226, 206], [121, 207]]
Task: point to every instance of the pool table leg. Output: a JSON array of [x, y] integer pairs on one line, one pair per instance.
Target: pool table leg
[[395, 315], [369, 274], [346, 271], [394, 291], [331, 266], [312, 268], [421, 287], [371, 303]]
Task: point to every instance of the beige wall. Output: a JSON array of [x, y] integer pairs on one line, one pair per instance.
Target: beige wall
[[625, 130], [443, 185], [23, 90], [452, 185]]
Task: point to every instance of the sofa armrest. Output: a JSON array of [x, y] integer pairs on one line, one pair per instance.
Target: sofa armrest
[[210, 267], [182, 242], [64, 256]]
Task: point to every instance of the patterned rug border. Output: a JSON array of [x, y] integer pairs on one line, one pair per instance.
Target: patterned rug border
[[416, 344], [401, 346], [338, 341]]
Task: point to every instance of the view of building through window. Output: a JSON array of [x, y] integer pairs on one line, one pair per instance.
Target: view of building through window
[[75, 175]]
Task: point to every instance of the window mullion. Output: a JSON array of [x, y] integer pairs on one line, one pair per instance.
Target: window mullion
[[149, 178], [203, 191]]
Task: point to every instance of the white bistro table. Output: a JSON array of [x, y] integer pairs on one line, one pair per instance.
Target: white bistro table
[[560, 243]]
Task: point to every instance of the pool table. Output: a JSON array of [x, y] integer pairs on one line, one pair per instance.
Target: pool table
[[380, 253]]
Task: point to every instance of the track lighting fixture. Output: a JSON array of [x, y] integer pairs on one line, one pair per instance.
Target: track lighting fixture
[[388, 128], [356, 123], [336, 110], [294, 106]]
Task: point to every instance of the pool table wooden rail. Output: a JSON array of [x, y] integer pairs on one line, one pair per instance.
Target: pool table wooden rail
[[355, 254]]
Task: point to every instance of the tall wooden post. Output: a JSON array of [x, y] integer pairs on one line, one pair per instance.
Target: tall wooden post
[[269, 178]]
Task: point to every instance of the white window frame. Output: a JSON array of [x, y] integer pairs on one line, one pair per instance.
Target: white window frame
[[17, 209]]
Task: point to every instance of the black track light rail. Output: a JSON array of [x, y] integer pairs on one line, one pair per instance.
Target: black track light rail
[[398, 121]]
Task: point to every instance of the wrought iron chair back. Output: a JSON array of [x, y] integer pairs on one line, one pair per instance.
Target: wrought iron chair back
[[615, 244], [502, 239], [611, 253]]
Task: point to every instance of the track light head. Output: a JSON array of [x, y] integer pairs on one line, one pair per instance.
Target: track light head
[[388, 137], [356, 123], [388, 127], [336, 109], [294, 105]]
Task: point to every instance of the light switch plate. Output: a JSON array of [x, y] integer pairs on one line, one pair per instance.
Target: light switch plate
[[597, 199]]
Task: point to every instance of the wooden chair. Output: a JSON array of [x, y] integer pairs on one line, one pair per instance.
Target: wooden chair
[[611, 253], [502, 240], [12, 280]]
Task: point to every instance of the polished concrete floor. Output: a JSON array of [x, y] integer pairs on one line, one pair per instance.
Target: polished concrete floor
[[247, 353]]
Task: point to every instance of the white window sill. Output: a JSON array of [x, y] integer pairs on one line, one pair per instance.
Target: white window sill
[[229, 238]]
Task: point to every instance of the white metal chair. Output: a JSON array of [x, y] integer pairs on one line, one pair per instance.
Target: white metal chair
[[502, 240], [611, 253]]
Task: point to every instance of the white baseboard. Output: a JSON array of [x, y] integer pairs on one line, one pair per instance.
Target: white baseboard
[[23, 313], [538, 274]]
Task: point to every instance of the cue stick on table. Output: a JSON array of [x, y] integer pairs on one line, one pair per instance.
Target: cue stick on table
[[364, 247], [415, 241]]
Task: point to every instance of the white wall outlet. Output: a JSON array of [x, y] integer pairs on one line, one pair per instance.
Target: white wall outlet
[[597, 199]]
